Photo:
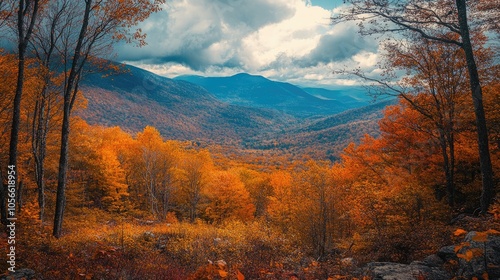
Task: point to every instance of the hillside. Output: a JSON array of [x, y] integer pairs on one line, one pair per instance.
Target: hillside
[[180, 110], [325, 138], [256, 91], [350, 96]]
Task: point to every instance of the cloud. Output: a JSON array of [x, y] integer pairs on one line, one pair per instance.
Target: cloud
[[340, 44], [288, 40], [201, 33]]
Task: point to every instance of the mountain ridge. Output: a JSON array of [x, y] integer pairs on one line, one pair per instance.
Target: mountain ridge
[[182, 110], [257, 91], [178, 109]]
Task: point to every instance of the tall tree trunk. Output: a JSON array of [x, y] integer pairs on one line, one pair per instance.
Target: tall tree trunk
[[63, 171], [477, 98], [39, 144], [70, 92], [447, 168], [23, 38]]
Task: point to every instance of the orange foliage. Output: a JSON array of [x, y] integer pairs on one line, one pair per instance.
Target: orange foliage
[[228, 198]]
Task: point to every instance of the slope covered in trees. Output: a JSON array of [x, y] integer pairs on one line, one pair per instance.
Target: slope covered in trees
[[134, 98]]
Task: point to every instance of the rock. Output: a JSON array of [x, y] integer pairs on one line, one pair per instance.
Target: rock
[[433, 261], [23, 273], [486, 254], [397, 271], [447, 253]]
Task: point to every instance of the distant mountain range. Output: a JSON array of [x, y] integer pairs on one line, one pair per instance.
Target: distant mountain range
[[242, 110], [178, 109], [258, 92]]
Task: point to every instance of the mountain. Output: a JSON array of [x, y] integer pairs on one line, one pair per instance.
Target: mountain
[[180, 110], [325, 138], [258, 92], [184, 110], [350, 96]]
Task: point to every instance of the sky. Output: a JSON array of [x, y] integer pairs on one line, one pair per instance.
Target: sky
[[284, 40]]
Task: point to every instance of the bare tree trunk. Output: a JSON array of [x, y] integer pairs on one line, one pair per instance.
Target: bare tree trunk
[[447, 168], [39, 145], [62, 174], [477, 98], [70, 91], [23, 38]]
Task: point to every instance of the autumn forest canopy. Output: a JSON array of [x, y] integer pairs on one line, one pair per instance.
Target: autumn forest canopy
[[94, 200]]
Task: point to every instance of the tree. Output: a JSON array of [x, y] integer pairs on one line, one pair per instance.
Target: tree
[[384, 195], [316, 184], [27, 11], [435, 87], [151, 168], [193, 179], [92, 29], [45, 41], [114, 187], [228, 198], [259, 187], [436, 21], [8, 67], [283, 202]]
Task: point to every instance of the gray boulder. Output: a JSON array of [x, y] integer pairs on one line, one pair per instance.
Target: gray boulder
[[397, 271], [433, 261], [486, 256], [447, 253], [476, 255]]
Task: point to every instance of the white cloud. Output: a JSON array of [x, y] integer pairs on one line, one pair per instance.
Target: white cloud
[[287, 40], [365, 59]]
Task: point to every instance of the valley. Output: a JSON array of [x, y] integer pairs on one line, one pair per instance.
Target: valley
[[242, 111]]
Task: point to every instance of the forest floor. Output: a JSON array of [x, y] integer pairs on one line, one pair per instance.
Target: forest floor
[[99, 245]]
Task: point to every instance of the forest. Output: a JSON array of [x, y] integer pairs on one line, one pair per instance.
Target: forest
[[82, 201]]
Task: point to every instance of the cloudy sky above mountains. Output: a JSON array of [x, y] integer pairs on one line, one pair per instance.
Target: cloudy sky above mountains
[[286, 40]]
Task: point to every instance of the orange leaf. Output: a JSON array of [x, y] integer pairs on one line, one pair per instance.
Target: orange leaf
[[239, 275], [460, 246], [222, 273], [493, 232], [459, 232], [467, 256], [480, 237]]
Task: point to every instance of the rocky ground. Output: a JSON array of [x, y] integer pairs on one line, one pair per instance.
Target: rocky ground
[[477, 257]]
